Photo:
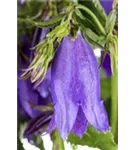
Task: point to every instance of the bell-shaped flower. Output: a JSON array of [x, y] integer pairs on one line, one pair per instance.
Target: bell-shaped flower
[[75, 89]]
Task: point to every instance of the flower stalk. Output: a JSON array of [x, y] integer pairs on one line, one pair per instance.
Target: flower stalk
[[114, 103]]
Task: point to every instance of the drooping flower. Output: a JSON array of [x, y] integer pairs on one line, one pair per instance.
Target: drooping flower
[[76, 88], [27, 94]]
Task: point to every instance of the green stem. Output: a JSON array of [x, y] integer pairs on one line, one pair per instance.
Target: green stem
[[97, 22], [58, 143], [114, 103], [74, 147]]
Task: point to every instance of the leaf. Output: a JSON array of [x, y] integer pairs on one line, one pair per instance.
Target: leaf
[[110, 22], [92, 18], [38, 142], [89, 31], [94, 138], [97, 41], [96, 8], [20, 121], [42, 108], [58, 143], [112, 46], [35, 6], [44, 24]]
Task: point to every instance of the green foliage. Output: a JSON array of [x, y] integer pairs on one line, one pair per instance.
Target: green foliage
[[42, 108], [92, 19], [20, 121], [110, 22], [45, 24], [58, 143], [94, 138], [93, 39], [38, 142], [112, 46], [96, 8], [92, 29], [45, 52], [30, 9]]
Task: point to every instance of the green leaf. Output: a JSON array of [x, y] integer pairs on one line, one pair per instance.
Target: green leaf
[[42, 108], [20, 121], [112, 46], [97, 41], [96, 8], [94, 138], [110, 22], [58, 143], [44, 24], [38, 142], [89, 31], [92, 18], [100, 40], [34, 7]]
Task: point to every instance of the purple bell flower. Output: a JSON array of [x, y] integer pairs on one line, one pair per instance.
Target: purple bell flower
[[76, 89], [39, 96], [39, 120]]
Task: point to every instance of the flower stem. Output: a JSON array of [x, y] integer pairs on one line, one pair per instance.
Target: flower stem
[[58, 143], [114, 103]]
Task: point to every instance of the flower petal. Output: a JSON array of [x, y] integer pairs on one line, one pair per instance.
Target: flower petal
[[107, 5], [25, 94], [80, 125], [62, 73], [107, 65], [44, 87], [89, 78]]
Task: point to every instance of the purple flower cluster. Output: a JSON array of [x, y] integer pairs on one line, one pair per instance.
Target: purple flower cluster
[[72, 84]]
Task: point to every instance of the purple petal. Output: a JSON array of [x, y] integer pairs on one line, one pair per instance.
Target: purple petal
[[25, 94], [51, 125], [107, 5], [89, 79], [107, 65], [65, 108], [20, 109], [80, 125], [44, 87], [103, 119]]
